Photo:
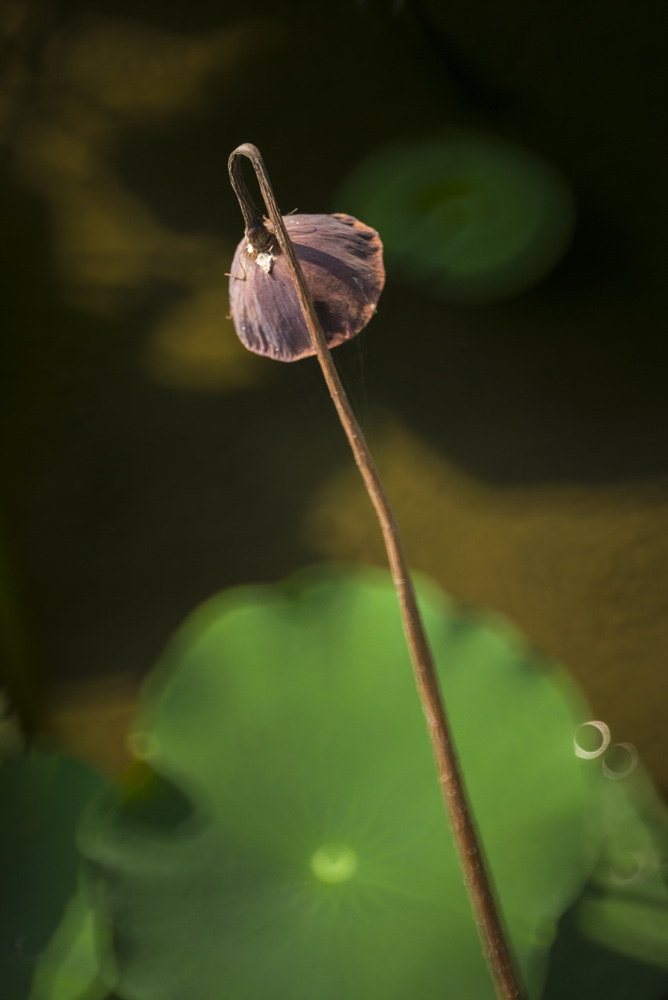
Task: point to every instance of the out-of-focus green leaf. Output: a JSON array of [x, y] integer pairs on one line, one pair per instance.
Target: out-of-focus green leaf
[[470, 216], [613, 943], [68, 968], [285, 835], [626, 906], [41, 798]]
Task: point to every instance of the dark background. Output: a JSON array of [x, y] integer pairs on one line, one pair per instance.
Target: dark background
[[148, 461]]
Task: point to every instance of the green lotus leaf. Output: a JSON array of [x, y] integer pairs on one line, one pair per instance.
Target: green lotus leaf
[[41, 799], [68, 967], [614, 942], [625, 907], [283, 833], [470, 216]]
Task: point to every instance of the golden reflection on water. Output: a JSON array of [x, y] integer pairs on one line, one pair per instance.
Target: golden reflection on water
[[100, 77], [578, 570]]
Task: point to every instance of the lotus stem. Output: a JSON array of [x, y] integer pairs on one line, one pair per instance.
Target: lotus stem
[[486, 910]]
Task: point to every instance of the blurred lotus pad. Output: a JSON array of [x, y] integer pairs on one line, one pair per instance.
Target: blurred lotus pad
[[283, 833], [46, 939], [471, 217]]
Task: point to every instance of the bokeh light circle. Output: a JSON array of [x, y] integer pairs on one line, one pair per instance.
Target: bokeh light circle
[[604, 732], [629, 755]]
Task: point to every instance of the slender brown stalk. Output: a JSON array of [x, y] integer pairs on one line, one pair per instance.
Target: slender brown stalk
[[478, 883]]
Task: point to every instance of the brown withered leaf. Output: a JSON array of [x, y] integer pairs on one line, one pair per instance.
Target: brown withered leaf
[[342, 260]]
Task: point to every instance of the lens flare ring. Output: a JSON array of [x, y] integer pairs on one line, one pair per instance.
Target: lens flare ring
[[605, 740], [615, 775]]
